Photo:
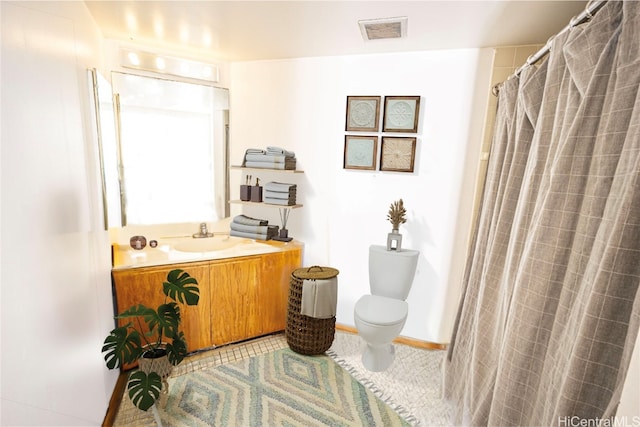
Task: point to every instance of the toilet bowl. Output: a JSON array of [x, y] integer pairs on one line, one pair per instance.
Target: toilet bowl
[[380, 317], [379, 320]]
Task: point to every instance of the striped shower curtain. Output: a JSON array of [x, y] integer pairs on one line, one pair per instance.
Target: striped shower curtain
[[550, 308]]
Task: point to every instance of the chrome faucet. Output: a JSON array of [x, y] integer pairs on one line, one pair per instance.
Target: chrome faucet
[[203, 232]]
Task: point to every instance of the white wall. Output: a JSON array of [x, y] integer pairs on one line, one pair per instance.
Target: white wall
[[629, 408], [300, 105], [56, 291]]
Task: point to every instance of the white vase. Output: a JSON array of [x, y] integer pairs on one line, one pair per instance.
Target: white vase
[[394, 241]]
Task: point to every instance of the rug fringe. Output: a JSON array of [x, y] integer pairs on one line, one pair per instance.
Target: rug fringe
[[401, 410]]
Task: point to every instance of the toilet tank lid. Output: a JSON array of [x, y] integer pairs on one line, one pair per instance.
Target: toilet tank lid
[[381, 310]]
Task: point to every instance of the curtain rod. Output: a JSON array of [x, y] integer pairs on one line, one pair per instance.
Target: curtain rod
[[588, 12]]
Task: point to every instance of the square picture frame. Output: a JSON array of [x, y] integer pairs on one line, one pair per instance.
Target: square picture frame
[[401, 114], [398, 153], [360, 152], [363, 113]]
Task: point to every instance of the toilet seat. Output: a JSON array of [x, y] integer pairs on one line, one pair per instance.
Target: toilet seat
[[379, 310]]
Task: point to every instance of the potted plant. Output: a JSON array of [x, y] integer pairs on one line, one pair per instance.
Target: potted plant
[[163, 346], [396, 216]]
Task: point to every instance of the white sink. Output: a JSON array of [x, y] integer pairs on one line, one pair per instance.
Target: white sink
[[209, 244], [186, 249]]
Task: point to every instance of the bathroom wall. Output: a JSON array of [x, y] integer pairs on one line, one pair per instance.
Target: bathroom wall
[[56, 304], [505, 63], [300, 105]]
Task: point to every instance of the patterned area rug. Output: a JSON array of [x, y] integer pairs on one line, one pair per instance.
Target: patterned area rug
[[281, 388], [412, 385]]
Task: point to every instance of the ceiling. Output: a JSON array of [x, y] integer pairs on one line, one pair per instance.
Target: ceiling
[[238, 30]]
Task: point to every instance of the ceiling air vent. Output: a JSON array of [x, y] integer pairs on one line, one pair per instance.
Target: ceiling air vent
[[386, 28]]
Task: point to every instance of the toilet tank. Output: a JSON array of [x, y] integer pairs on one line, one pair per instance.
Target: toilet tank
[[391, 273]]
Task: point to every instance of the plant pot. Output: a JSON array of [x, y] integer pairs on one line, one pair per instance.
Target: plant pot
[[156, 361]]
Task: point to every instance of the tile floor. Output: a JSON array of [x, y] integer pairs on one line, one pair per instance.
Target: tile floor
[[411, 385], [230, 354]]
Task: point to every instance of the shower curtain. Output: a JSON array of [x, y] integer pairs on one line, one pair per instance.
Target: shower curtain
[[550, 308]]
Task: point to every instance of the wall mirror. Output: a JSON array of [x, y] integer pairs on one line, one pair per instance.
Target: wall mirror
[[163, 150]]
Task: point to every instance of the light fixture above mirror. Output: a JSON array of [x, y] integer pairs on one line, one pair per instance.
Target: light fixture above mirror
[[163, 64]]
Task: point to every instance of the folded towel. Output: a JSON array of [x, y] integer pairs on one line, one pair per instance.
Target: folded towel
[[260, 229], [291, 200], [278, 150], [283, 202], [292, 190], [279, 187], [287, 165], [247, 220], [251, 151], [276, 195], [273, 231], [275, 158], [269, 161], [254, 236], [319, 298]]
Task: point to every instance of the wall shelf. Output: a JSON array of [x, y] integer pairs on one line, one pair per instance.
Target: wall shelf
[[267, 169], [284, 209], [269, 205]]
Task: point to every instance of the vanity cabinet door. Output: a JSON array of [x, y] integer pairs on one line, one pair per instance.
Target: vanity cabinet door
[[250, 295], [273, 292], [144, 286], [234, 303]]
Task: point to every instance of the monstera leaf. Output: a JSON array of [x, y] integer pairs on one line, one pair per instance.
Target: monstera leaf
[[121, 346], [125, 345], [181, 287], [166, 320], [137, 310], [144, 389], [177, 349]]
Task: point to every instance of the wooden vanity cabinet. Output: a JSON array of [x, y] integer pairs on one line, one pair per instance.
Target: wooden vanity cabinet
[[144, 286], [240, 298]]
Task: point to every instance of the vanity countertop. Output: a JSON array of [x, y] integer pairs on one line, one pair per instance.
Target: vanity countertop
[[175, 250]]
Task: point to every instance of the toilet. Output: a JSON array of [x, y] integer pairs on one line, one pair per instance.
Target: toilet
[[380, 317]]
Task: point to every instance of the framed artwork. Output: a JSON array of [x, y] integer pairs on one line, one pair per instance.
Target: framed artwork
[[401, 113], [363, 113], [360, 152], [398, 154]]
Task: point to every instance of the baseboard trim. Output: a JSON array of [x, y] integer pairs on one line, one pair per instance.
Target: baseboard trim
[[412, 342]]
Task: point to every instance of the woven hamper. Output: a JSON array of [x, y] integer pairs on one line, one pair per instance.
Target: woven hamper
[[304, 334]]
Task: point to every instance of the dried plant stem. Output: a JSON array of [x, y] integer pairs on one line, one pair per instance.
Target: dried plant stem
[[397, 214]]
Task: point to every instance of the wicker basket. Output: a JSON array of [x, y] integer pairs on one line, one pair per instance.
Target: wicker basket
[[308, 335]]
